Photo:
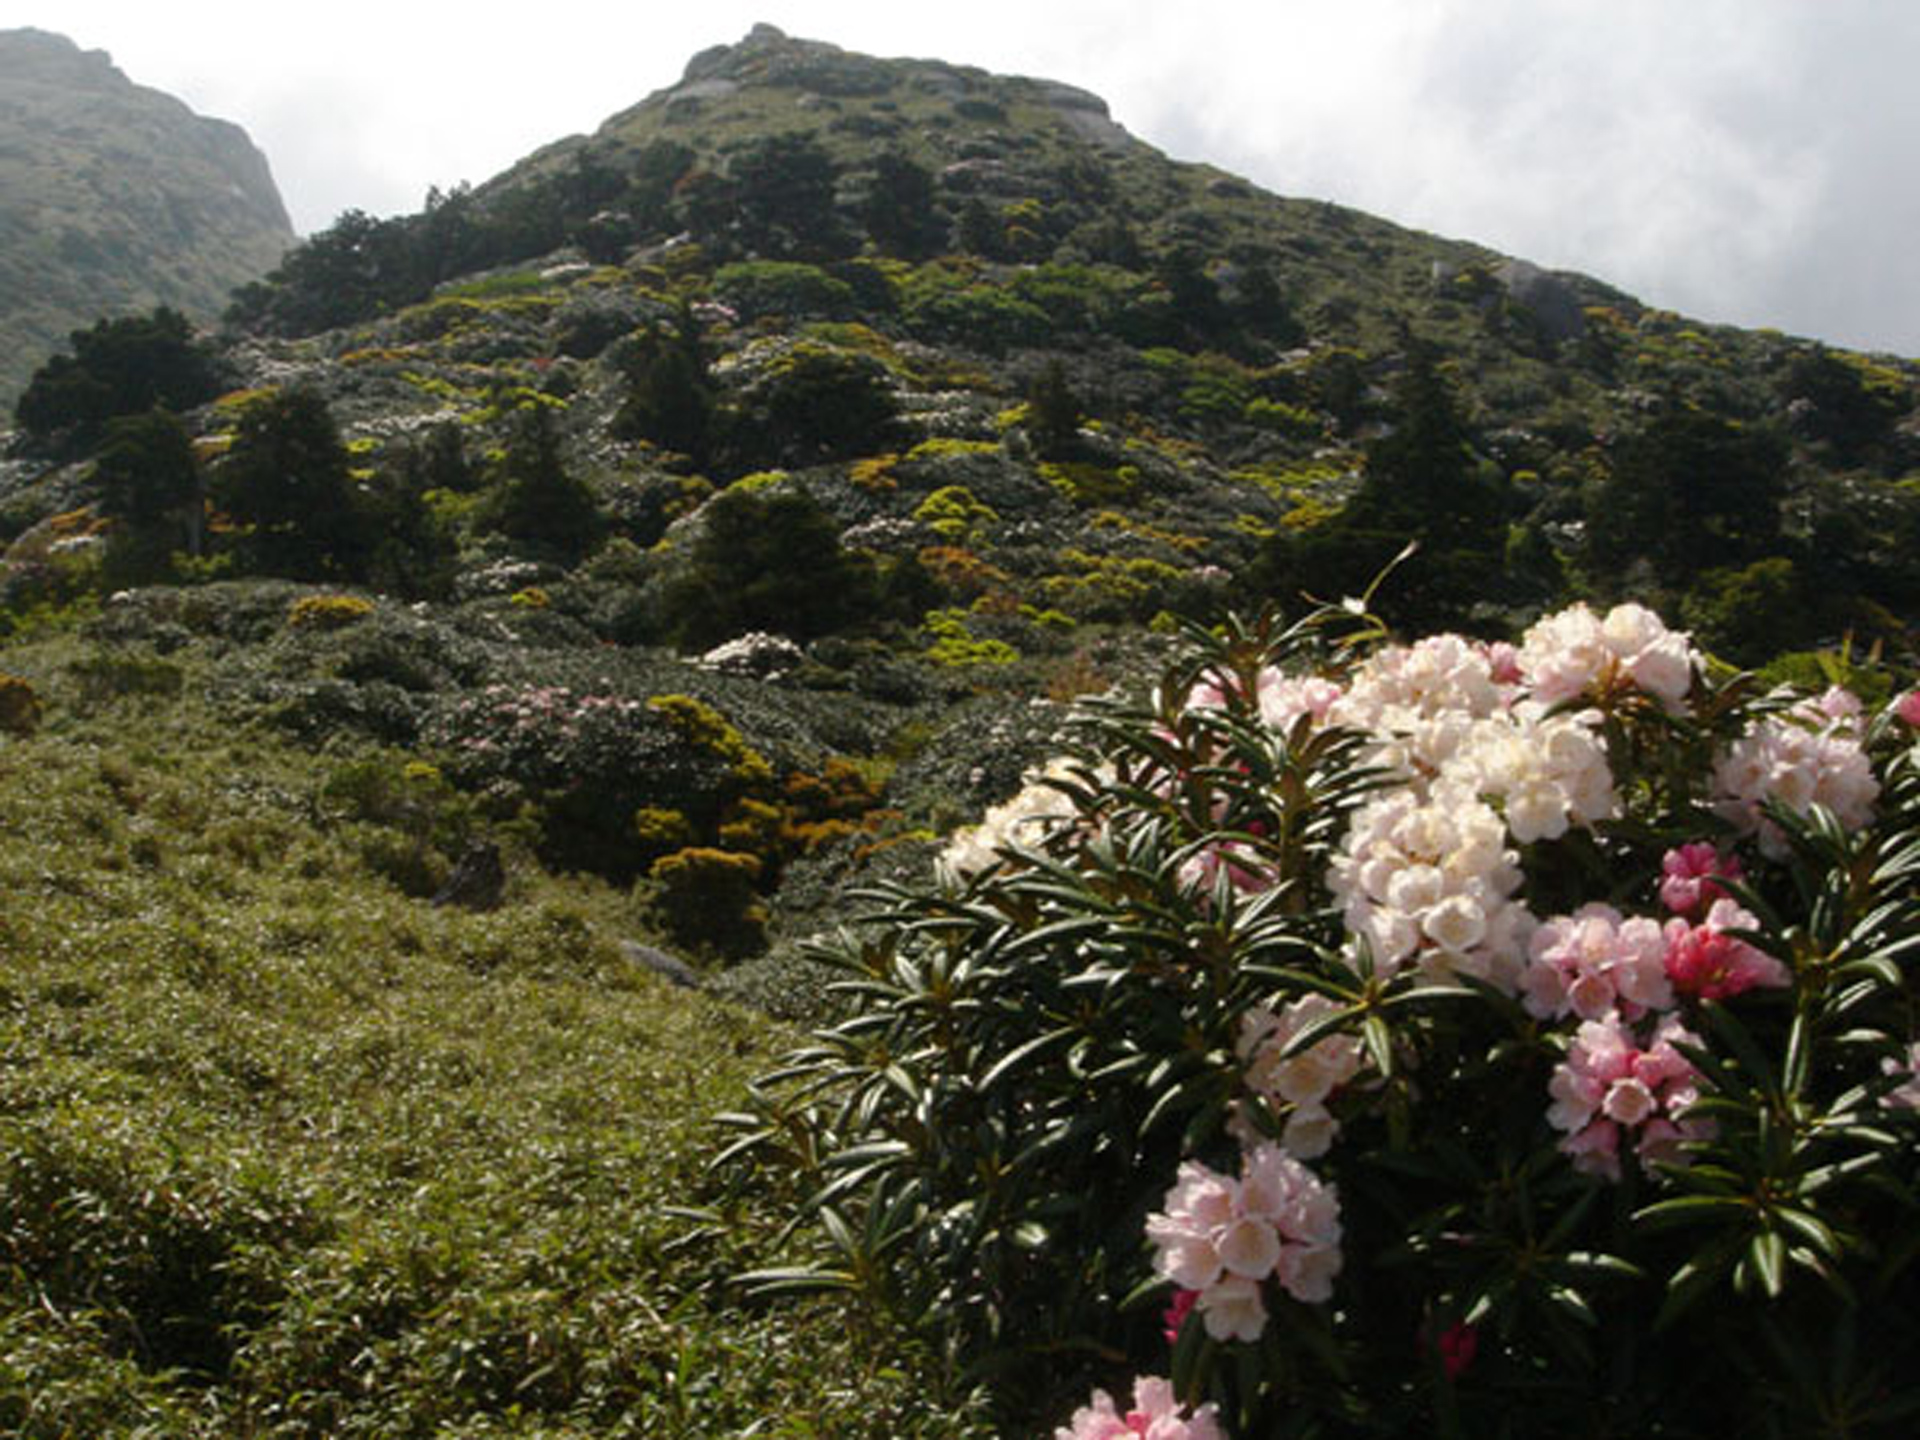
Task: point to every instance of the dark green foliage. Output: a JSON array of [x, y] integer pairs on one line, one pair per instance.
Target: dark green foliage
[[669, 401], [813, 403], [1423, 485], [1686, 485], [783, 187], [284, 482], [1746, 615], [707, 900], [771, 562], [1841, 405], [117, 368], [410, 549], [150, 484], [1053, 413], [359, 266], [532, 499], [898, 209]]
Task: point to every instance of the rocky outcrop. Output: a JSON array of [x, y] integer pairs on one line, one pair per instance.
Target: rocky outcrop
[[115, 198]]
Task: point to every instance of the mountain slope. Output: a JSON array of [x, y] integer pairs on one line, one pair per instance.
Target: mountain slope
[[115, 197]]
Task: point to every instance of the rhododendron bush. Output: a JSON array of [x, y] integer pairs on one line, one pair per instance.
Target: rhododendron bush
[[1359, 1037]]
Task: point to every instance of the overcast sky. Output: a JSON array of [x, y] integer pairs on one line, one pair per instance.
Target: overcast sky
[[1754, 162]]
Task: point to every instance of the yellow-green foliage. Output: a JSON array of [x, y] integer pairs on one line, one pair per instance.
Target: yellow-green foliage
[[940, 447], [531, 598], [234, 401], [953, 513], [956, 646], [327, 612], [875, 473], [1141, 530], [661, 830], [752, 828], [759, 480], [1308, 514], [1284, 419], [705, 728], [1085, 483], [1285, 481], [19, 706], [852, 335], [1109, 585]]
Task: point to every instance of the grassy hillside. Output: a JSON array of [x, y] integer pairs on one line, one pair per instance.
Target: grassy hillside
[[289, 1152]]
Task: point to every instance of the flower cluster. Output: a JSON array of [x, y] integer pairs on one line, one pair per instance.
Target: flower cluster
[[1712, 962], [1028, 817], [1223, 1237], [1610, 1088], [1490, 783], [1810, 755], [1300, 1083], [1577, 653], [1431, 882], [1596, 961], [1156, 1415]]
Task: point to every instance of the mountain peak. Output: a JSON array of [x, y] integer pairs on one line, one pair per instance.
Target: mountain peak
[[115, 196]]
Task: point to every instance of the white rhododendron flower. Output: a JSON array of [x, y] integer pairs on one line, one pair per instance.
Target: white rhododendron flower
[[1027, 818], [1575, 652], [1432, 883]]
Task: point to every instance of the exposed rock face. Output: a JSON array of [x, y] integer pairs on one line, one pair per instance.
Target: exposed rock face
[[115, 198], [1551, 301]]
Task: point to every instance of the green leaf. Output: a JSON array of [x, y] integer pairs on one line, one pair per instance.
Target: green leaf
[[1767, 1251]]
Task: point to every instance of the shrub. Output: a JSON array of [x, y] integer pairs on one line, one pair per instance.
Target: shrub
[[327, 612], [780, 287], [1464, 1039], [706, 899], [19, 706]]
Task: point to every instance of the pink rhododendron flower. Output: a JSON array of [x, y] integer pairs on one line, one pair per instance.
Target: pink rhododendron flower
[[1596, 961], [1610, 1088], [1300, 1084], [1156, 1415], [1704, 960], [1223, 1237], [1687, 874], [1175, 1315], [1907, 707]]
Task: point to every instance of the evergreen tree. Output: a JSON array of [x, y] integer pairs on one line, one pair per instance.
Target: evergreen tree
[[532, 497], [150, 486], [669, 401], [772, 562], [285, 482], [899, 210], [1053, 413], [116, 367]]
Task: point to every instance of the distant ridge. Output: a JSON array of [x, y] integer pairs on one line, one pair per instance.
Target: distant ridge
[[116, 197]]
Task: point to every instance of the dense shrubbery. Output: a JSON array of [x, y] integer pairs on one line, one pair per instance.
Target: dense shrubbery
[[1465, 1039]]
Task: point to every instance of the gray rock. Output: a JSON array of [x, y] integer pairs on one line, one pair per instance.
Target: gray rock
[[670, 968], [1546, 297]]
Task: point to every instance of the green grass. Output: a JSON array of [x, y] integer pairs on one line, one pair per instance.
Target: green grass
[[285, 1152]]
